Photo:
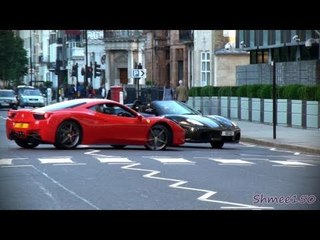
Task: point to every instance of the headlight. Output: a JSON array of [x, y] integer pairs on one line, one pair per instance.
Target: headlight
[[234, 124], [195, 122]]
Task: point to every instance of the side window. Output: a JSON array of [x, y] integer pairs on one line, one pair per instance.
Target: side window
[[112, 109]]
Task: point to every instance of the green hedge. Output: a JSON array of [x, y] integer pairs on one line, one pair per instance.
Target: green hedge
[[293, 91]]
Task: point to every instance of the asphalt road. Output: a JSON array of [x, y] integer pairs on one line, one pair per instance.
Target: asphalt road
[[191, 177]]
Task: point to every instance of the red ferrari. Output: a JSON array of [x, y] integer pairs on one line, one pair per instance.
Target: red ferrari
[[90, 121]]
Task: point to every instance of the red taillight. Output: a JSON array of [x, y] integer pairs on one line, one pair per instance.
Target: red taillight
[[11, 114], [47, 115], [41, 116]]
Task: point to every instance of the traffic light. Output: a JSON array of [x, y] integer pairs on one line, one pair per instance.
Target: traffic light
[[97, 70], [89, 72], [74, 70]]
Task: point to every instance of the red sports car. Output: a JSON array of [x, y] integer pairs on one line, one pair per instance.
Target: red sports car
[[90, 121]]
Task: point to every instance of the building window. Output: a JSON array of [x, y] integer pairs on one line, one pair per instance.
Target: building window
[[205, 68], [272, 37]]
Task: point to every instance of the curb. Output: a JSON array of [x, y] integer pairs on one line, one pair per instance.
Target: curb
[[281, 145]]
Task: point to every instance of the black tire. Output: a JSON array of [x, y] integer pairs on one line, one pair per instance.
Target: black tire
[[118, 146], [217, 144], [26, 143], [158, 138], [68, 135]]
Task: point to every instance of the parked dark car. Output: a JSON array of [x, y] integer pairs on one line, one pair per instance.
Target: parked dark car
[[8, 98], [213, 129]]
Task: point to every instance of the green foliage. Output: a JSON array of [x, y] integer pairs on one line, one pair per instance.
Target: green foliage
[[149, 82], [317, 93], [265, 91], [195, 91], [280, 92], [209, 91], [291, 91], [252, 90], [242, 91], [295, 91], [13, 57], [225, 91]]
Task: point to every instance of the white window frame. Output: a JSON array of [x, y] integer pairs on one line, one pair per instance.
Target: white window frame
[[205, 68]]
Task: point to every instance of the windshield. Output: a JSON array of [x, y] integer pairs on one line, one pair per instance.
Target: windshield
[[7, 94], [62, 105], [173, 107], [31, 92]]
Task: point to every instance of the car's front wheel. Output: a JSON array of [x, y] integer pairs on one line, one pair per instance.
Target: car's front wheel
[[158, 138], [68, 135], [26, 143], [217, 144]]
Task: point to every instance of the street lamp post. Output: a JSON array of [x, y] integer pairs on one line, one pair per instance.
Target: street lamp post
[[86, 53], [31, 68], [274, 97]]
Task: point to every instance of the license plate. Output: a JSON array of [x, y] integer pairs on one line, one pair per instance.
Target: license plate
[[227, 133], [21, 125]]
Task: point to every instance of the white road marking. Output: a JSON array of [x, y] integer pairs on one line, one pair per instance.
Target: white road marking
[[231, 161], [178, 183], [16, 166], [171, 160], [66, 189], [8, 161], [291, 163], [248, 144], [114, 160], [255, 159], [93, 152], [69, 164], [55, 160]]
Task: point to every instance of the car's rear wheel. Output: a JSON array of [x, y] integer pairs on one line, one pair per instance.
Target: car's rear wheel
[[68, 135], [118, 146], [27, 143], [158, 138], [217, 144]]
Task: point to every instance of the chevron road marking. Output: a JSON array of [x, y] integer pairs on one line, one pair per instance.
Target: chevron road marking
[[178, 183]]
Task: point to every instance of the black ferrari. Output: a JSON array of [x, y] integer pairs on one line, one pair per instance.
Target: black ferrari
[[213, 129]]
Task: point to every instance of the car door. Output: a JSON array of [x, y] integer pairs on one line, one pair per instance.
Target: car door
[[117, 125]]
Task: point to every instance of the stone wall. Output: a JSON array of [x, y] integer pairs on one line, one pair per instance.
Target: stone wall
[[299, 72]]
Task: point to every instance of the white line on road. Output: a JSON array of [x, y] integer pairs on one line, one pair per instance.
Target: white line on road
[[178, 183], [16, 166], [60, 159], [171, 160], [231, 161], [8, 161], [117, 160], [291, 163], [66, 189]]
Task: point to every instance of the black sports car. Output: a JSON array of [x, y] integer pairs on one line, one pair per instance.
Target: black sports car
[[213, 129]]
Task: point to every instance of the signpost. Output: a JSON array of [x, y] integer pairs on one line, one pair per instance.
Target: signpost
[[139, 73]]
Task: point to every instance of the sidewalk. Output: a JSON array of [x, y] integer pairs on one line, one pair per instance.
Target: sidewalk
[[296, 139]]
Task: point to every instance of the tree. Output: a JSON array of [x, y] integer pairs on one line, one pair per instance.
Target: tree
[[13, 58]]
